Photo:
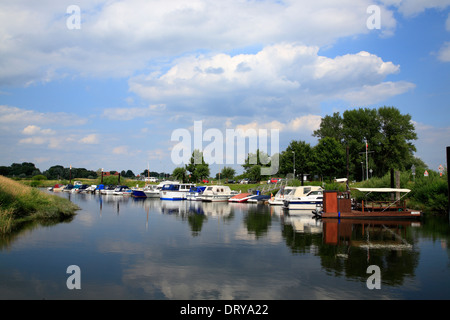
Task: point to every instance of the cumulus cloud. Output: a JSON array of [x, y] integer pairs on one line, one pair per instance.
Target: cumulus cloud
[[119, 37], [279, 79], [444, 52]]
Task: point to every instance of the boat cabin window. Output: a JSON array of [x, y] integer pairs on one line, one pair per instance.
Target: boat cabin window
[[209, 188]]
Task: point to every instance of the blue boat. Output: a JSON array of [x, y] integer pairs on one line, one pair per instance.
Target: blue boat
[[138, 193], [195, 193]]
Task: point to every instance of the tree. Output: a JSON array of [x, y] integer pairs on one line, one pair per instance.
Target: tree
[[260, 159], [329, 158], [331, 126], [385, 132], [179, 174], [227, 173], [304, 158], [197, 166]]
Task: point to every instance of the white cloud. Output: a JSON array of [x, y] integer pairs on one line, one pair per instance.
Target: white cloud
[[444, 52], [125, 114], [35, 130], [278, 80], [90, 139], [414, 7], [120, 150], [119, 37], [13, 116]]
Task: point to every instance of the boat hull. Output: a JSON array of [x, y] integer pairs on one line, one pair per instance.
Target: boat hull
[[410, 214]]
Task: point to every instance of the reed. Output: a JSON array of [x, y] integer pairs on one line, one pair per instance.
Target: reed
[[20, 203]]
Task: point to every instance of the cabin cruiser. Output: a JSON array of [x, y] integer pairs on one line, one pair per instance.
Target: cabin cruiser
[[175, 191], [195, 193], [109, 189], [283, 194], [122, 191], [217, 193], [311, 200]]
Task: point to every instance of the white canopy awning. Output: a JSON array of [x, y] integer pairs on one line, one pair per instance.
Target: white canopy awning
[[381, 190]]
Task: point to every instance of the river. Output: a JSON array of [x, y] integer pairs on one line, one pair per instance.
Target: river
[[127, 248]]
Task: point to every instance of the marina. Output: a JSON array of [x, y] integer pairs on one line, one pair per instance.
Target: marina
[[146, 248]]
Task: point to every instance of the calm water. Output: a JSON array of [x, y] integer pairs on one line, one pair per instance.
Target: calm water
[[129, 248]]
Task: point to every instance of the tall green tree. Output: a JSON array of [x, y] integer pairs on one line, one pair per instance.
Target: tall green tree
[[385, 134], [255, 162], [329, 158], [227, 173], [197, 167], [301, 153], [179, 174]]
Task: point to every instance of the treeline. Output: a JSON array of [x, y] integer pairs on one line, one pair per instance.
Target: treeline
[[28, 170], [373, 142]]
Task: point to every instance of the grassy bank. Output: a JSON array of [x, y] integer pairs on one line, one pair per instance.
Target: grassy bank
[[428, 194], [20, 204]]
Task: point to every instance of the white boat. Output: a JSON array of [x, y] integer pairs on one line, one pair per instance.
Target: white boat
[[122, 191], [311, 200], [283, 194], [217, 193], [108, 190], [195, 193], [175, 191]]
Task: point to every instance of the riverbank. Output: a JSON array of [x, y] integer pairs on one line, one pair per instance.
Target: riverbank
[[20, 204]]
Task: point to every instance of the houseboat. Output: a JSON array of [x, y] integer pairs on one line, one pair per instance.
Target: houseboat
[[217, 193], [339, 205]]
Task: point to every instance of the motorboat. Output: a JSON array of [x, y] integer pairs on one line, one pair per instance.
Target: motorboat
[[175, 191], [122, 191], [109, 189], [68, 188], [311, 200], [195, 193], [259, 198], [58, 187], [82, 189], [283, 194], [217, 193], [91, 188], [240, 197]]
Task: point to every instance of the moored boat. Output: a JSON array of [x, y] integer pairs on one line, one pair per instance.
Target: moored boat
[[283, 194], [340, 205], [195, 193], [310, 201], [175, 191], [217, 193], [240, 197]]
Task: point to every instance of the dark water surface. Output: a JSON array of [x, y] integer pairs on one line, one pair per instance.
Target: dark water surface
[[129, 248]]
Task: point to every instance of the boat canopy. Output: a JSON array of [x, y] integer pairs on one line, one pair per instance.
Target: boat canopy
[[381, 190]]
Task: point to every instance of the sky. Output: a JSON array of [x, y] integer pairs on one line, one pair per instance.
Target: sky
[[108, 84]]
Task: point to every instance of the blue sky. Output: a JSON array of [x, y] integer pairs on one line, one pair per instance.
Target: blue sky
[[111, 93]]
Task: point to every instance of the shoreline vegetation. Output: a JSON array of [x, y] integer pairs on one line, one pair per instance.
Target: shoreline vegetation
[[21, 204], [428, 194]]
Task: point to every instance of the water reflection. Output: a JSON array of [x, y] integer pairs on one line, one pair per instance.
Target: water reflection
[[350, 246], [152, 249]]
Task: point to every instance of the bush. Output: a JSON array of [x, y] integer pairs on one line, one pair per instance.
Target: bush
[[39, 177]]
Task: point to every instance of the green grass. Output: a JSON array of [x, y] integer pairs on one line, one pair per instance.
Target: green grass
[[20, 204]]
